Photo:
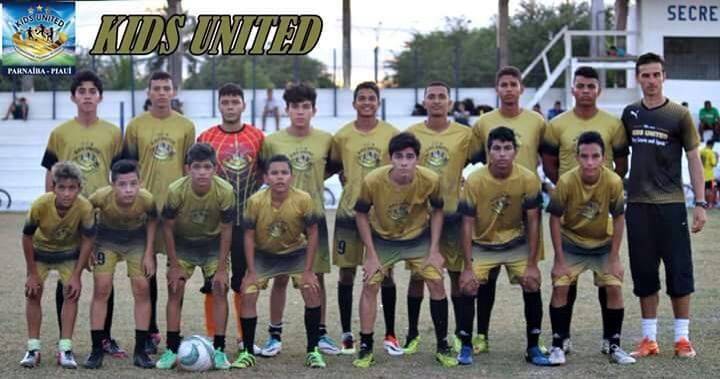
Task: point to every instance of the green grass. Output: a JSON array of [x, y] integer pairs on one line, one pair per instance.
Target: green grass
[[507, 329]]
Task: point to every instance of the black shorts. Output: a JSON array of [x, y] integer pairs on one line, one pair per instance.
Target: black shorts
[[659, 232], [709, 184]]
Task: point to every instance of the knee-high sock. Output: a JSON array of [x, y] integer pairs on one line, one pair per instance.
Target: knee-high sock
[[439, 314], [109, 316], [413, 305], [345, 298], [533, 317], [312, 327], [153, 305], [388, 294], [209, 315]]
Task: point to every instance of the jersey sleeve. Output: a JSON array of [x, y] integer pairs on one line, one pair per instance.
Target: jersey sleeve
[[117, 146], [435, 198], [690, 137], [551, 140], [533, 193], [335, 164], [364, 201], [151, 208], [467, 205], [558, 199], [227, 207], [172, 204], [541, 135], [32, 221], [617, 199], [477, 142], [309, 216], [250, 215], [130, 143], [620, 144], [51, 151], [87, 222]]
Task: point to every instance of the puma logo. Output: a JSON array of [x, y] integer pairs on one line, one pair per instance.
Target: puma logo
[[634, 113]]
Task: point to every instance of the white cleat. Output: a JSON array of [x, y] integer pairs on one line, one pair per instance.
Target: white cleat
[[272, 348], [605, 347], [557, 356], [619, 356], [66, 359], [31, 359]]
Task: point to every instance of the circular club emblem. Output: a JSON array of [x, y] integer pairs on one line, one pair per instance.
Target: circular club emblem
[[590, 210], [163, 149], [397, 212], [301, 160], [498, 204], [277, 229], [437, 156], [369, 157], [198, 216], [61, 233], [87, 160]]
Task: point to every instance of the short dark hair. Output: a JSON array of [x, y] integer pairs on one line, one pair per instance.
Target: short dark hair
[[231, 89], [501, 134], [437, 83], [277, 158], [299, 92], [123, 166], [710, 142], [402, 141], [367, 85], [590, 137], [587, 72], [508, 70], [199, 152], [707, 102], [84, 76], [648, 58], [160, 75]]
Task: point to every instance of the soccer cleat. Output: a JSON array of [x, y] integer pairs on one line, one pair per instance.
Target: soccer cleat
[[605, 346], [347, 343], [327, 345], [465, 356], [567, 346], [167, 360], [542, 348], [456, 344], [241, 347], [557, 356], [221, 361], [272, 348], [392, 346], [66, 359], [535, 356], [314, 359], [446, 357], [411, 345], [152, 343], [142, 360], [94, 360], [645, 348], [684, 349], [111, 347], [619, 356], [31, 359], [244, 360], [480, 344], [365, 359]]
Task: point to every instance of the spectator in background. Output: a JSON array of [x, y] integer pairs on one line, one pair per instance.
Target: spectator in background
[[18, 109], [555, 110], [271, 107], [709, 120], [685, 104], [462, 115], [147, 105], [419, 110], [709, 159], [537, 108]]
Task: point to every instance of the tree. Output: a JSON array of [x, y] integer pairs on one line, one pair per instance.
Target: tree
[[502, 33]]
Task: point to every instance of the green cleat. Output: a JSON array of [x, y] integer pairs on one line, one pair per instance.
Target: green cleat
[[411, 345], [365, 359], [167, 360], [543, 349], [456, 344], [480, 344], [244, 360], [314, 359], [446, 358], [221, 360]]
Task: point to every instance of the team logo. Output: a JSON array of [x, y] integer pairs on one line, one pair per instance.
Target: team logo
[[437, 156], [369, 157], [590, 210], [87, 159], [277, 229], [399, 211], [163, 148], [61, 233], [518, 138], [198, 216], [301, 160], [499, 204], [237, 162], [634, 113]]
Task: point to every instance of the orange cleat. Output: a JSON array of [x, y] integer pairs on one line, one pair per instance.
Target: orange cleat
[[645, 348], [684, 349]]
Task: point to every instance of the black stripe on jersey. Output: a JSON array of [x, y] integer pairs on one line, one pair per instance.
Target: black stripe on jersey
[[618, 208], [248, 223], [152, 213], [227, 216], [436, 203], [621, 152], [362, 206], [533, 202], [546, 148], [29, 229], [89, 232], [49, 159], [466, 209], [555, 208], [168, 212], [312, 219]]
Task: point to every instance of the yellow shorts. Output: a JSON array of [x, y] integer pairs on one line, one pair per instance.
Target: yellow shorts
[[262, 284], [348, 249], [450, 243], [321, 262], [577, 264], [64, 269], [107, 258], [208, 267], [514, 260], [412, 252]]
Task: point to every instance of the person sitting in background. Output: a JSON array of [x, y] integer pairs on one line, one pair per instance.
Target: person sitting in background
[[419, 110], [709, 159], [271, 108], [462, 115], [537, 108], [709, 120], [18, 109], [555, 110]]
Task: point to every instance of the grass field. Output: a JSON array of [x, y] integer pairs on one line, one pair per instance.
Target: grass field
[[507, 330]]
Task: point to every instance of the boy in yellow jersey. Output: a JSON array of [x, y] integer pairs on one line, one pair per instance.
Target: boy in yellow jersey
[[709, 160], [500, 204], [127, 220], [584, 238], [158, 139], [392, 216], [308, 150], [94, 145], [559, 151], [358, 148], [281, 237], [446, 151], [57, 236], [528, 127], [197, 225]]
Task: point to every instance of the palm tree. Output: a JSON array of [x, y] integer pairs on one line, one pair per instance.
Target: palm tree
[[502, 33]]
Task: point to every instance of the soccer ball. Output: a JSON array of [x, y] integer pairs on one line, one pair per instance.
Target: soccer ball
[[196, 354]]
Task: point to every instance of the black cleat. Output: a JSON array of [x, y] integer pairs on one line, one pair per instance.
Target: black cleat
[[150, 347], [142, 360], [94, 360]]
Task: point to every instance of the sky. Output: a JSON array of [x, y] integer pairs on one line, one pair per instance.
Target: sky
[[383, 23]]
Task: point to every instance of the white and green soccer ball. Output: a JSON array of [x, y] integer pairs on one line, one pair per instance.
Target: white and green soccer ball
[[196, 354]]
